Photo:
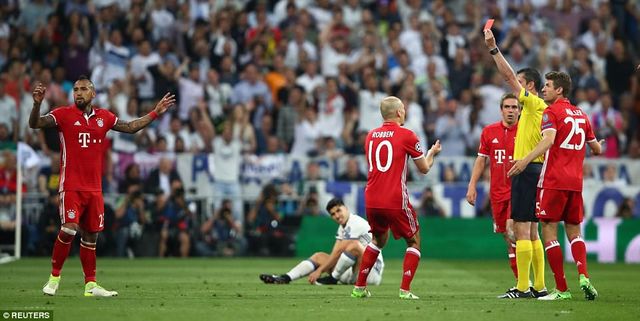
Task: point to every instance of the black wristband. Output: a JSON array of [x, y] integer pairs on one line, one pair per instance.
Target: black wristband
[[494, 51]]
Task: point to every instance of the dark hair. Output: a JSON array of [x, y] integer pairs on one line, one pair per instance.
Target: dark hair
[[334, 202], [530, 75], [508, 96], [83, 77], [560, 80]]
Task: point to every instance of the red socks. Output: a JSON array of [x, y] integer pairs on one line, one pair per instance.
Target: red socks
[[579, 252], [409, 266], [368, 259], [88, 260], [514, 265], [61, 249], [554, 256]]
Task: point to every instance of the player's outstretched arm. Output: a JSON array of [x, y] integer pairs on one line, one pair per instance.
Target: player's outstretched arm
[[35, 120], [503, 66], [548, 136], [137, 124], [478, 167]]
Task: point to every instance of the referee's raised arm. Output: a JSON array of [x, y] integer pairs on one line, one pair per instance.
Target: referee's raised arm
[[503, 66]]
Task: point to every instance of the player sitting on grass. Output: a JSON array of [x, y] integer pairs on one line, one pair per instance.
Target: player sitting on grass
[[352, 237]]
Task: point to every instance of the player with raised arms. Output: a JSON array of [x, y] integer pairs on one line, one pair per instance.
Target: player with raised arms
[[82, 129]]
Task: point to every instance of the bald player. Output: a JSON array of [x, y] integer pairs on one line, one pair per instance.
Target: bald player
[[388, 149]]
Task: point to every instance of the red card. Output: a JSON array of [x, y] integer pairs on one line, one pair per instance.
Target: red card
[[488, 25]]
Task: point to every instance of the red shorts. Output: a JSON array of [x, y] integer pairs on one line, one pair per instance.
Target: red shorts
[[402, 222], [557, 205], [501, 213], [83, 208]]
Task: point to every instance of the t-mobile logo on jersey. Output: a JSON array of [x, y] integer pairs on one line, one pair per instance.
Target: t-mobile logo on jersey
[[84, 139], [500, 155]]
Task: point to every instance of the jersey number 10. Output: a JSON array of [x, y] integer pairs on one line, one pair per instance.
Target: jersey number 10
[[575, 130], [387, 165]]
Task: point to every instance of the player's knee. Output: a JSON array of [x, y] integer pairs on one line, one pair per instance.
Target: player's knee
[[70, 228], [90, 237]]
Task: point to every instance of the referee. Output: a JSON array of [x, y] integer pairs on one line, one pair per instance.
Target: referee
[[529, 250]]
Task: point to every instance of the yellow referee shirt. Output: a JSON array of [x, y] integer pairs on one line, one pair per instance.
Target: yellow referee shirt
[[528, 134]]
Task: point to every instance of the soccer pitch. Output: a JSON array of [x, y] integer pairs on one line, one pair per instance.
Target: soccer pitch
[[229, 289]]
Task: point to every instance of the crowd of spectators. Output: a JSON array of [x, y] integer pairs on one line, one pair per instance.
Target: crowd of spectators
[[298, 77]]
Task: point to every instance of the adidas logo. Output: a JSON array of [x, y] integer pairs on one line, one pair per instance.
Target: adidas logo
[[77, 123], [495, 141], [407, 273], [365, 271], [578, 263]]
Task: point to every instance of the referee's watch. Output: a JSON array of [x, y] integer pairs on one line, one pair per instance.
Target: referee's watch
[[494, 51]]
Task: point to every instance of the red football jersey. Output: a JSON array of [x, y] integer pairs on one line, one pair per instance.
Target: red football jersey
[[562, 167], [388, 149], [82, 146], [496, 143]]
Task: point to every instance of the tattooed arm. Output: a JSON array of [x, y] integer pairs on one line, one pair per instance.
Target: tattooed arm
[[35, 120], [137, 124]]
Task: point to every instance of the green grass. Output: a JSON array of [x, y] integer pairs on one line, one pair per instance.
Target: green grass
[[229, 289]]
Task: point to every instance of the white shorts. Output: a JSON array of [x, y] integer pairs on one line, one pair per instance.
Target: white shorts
[[374, 278]]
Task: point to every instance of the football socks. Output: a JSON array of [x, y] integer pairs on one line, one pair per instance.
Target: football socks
[[409, 267], [302, 269], [524, 255], [61, 249], [368, 259], [554, 255], [579, 252], [537, 263], [88, 260]]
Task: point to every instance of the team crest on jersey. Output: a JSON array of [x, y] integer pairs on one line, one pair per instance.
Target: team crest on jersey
[[100, 122], [71, 214], [545, 117], [418, 147]]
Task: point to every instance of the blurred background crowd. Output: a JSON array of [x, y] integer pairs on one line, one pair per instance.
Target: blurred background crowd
[[292, 77]]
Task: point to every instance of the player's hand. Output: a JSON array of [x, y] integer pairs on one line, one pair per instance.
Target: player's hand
[[471, 196], [38, 93], [167, 101], [517, 168], [489, 39], [435, 148], [314, 276]]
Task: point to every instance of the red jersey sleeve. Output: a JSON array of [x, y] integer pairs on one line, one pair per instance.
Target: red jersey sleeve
[[58, 116], [548, 120], [412, 145], [483, 149], [112, 119]]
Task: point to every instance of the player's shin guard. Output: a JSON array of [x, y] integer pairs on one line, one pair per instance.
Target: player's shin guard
[[61, 249], [579, 252], [345, 262], [537, 263], [88, 260], [409, 267], [524, 255], [368, 259], [554, 255]]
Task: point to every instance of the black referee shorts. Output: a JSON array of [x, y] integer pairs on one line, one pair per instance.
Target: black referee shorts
[[524, 188]]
